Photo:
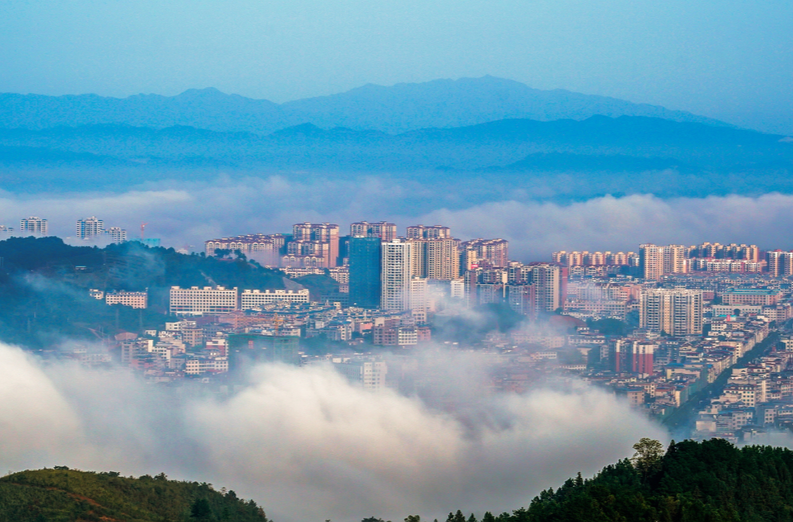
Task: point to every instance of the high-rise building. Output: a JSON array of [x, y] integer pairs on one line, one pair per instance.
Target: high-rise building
[[674, 259], [365, 262], [494, 252], [33, 225], [418, 299], [327, 233], [89, 228], [548, 290], [117, 234], [633, 356], [672, 311], [396, 275], [381, 229], [651, 261], [775, 263], [428, 232], [265, 249]]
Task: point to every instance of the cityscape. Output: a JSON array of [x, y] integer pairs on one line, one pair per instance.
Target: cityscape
[[482, 261], [693, 336]]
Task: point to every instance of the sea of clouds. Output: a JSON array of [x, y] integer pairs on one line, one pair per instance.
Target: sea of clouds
[[187, 214], [308, 445]]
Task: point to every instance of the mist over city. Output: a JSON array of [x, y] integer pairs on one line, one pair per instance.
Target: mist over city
[[354, 261]]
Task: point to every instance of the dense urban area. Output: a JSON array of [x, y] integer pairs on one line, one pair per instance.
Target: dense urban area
[[695, 336]]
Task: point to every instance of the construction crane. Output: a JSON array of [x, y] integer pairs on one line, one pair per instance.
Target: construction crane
[[277, 321], [142, 229]]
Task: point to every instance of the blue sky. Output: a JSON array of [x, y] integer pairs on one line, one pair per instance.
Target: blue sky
[[729, 59]]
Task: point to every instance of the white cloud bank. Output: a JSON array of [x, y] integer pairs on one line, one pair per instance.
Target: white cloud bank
[[307, 445], [188, 214]]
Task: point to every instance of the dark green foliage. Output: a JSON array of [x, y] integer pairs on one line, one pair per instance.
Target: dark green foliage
[[67, 495], [712, 481], [608, 326]]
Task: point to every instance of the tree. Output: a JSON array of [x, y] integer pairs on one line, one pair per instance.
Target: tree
[[648, 456], [201, 509], [413, 518]]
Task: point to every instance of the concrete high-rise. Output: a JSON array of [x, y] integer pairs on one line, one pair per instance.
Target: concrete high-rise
[[492, 252], [775, 263], [365, 262], [89, 228], [651, 261], [547, 281], [418, 299], [674, 259], [117, 234], [656, 261], [327, 233], [672, 311], [395, 275], [381, 229], [428, 232], [33, 225]]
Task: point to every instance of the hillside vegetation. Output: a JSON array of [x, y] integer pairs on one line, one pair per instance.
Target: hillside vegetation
[[67, 495], [711, 481], [44, 286]]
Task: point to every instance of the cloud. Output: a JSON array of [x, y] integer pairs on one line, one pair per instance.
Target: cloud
[[306, 444], [190, 213]]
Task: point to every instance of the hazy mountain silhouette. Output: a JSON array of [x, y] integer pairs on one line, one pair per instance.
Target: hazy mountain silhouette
[[616, 154], [400, 108]]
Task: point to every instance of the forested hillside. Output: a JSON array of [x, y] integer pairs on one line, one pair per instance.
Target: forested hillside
[[44, 286], [712, 481], [63, 495]]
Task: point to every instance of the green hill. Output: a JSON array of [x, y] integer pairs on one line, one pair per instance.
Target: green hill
[[711, 481], [44, 286], [67, 495]]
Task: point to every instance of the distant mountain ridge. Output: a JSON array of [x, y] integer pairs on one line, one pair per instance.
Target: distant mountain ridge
[[396, 109]]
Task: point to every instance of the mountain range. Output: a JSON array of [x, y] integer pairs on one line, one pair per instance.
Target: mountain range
[[438, 133], [396, 109]]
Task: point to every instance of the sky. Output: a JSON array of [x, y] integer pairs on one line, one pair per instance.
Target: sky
[[731, 60]]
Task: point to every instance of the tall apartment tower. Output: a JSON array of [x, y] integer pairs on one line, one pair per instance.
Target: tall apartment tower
[[774, 261], [381, 229], [435, 254], [365, 260], [547, 281], [117, 234], [494, 252], [33, 225], [651, 261], [89, 228], [674, 259], [323, 233], [633, 356], [675, 312], [418, 299], [395, 275], [431, 232]]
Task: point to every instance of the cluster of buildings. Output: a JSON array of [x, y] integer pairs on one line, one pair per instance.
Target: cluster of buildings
[[756, 400], [87, 229], [376, 268], [32, 226], [655, 326], [91, 228]]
